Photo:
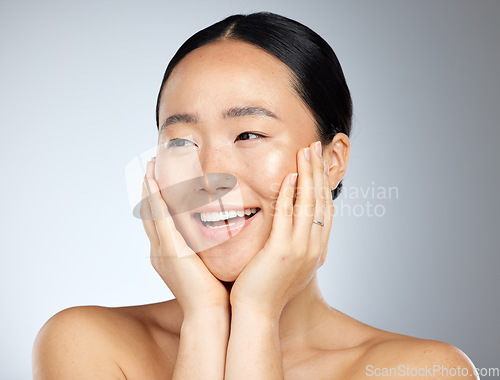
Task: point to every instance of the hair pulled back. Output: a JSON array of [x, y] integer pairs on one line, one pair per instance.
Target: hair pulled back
[[317, 75]]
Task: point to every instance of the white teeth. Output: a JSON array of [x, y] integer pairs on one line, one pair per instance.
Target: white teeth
[[224, 215]]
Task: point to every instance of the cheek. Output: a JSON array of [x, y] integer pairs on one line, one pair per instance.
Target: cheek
[[175, 166], [177, 175], [269, 169]]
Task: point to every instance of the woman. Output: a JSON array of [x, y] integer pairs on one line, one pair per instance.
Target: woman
[[254, 117]]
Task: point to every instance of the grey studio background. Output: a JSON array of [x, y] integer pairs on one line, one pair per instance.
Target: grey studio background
[[78, 87]]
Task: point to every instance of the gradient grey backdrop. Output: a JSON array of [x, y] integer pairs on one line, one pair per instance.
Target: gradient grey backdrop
[[78, 83]]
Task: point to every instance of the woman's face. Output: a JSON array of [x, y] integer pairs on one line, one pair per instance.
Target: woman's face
[[230, 109]]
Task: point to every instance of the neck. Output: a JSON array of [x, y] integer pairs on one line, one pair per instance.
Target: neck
[[303, 314]]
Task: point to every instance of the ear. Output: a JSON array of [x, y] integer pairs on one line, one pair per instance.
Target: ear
[[336, 153]]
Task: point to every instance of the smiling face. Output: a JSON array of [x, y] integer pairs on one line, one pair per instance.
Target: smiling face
[[230, 108]]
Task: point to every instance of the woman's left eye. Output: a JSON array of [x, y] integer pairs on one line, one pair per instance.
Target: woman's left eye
[[249, 136]]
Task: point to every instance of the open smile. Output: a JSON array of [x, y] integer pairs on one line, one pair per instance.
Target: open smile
[[219, 226]]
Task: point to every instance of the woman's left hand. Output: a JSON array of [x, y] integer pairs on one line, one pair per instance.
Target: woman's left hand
[[297, 246]]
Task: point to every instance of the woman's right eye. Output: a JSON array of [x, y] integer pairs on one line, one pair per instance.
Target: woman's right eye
[[176, 143]]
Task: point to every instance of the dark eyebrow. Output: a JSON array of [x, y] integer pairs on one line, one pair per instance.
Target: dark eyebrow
[[248, 111], [179, 118], [238, 111]]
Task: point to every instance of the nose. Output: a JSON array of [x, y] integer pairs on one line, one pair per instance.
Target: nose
[[218, 184], [220, 181], [216, 165]]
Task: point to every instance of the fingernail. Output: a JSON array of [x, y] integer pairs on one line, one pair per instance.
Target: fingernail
[[319, 148], [307, 154], [293, 179]]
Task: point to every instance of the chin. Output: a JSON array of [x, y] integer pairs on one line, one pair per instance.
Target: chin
[[225, 276], [222, 269], [225, 262], [225, 257]]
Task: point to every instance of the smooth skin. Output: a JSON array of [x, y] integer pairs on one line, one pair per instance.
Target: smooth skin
[[273, 323]]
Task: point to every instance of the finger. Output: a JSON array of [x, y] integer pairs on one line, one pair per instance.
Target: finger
[[329, 210], [283, 212], [147, 217], [168, 235], [303, 210], [317, 230]]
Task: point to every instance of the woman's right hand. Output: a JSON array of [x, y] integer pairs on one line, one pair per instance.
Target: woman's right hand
[[196, 289]]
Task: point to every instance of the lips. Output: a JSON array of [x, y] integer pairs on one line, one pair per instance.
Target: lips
[[210, 218], [218, 226]]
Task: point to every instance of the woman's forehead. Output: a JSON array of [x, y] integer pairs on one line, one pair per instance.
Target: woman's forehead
[[230, 51], [224, 62], [227, 72]]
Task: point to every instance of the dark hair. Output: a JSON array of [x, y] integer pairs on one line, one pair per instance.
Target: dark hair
[[317, 74]]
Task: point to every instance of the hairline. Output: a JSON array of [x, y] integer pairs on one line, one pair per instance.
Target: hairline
[[229, 36]]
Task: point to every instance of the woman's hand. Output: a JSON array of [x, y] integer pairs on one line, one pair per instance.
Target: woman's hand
[[194, 287], [296, 247], [204, 300]]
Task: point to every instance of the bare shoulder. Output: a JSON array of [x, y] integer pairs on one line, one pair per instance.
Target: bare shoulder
[[395, 355], [98, 342], [359, 351]]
